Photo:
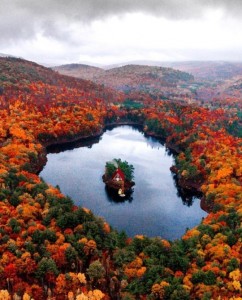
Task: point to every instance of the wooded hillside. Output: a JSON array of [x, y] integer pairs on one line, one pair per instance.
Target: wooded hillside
[[52, 249]]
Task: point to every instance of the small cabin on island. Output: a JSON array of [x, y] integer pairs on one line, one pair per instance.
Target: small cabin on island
[[117, 181], [118, 175]]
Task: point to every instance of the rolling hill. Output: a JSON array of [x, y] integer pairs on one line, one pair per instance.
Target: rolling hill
[[51, 248], [80, 71], [16, 73], [157, 82], [208, 70]]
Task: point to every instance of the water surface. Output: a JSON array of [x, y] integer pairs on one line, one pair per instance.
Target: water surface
[[155, 207]]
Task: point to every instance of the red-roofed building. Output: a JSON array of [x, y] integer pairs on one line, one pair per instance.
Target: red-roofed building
[[118, 175]]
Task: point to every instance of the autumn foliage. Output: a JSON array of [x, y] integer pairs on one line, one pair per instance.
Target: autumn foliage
[[51, 249]]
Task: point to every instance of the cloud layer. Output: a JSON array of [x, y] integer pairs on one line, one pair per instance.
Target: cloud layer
[[88, 27], [23, 18]]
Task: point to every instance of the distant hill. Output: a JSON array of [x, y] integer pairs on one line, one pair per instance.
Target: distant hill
[[4, 55], [237, 85], [208, 70], [158, 82], [230, 89], [127, 74], [134, 73], [80, 71], [15, 70], [16, 73]]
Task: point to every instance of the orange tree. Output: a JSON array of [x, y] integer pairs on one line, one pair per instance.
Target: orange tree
[[51, 248]]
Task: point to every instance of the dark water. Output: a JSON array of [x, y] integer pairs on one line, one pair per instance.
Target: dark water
[[155, 207]]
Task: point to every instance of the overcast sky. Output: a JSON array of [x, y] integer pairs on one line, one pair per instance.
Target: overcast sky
[[115, 31]]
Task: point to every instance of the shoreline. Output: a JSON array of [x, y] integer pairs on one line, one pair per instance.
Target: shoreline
[[61, 141]]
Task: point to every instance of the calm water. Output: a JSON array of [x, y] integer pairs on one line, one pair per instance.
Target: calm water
[[155, 208]]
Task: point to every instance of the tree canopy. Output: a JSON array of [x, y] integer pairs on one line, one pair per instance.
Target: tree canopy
[[124, 166]]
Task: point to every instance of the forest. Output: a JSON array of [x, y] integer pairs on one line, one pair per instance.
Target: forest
[[52, 249]]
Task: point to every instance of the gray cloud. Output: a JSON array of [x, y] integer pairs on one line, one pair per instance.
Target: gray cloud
[[21, 19], [90, 9], [66, 24]]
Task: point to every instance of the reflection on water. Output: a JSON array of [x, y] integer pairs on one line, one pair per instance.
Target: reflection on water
[[156, 207], [113, 196], [88, 142], [187, 196]]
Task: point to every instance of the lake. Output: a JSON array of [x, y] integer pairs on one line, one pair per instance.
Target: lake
[[157, 207]]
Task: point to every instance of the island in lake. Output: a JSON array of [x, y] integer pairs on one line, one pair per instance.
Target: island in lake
[[119, 176]]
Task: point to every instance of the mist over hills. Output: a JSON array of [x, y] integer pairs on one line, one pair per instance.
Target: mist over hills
[[200, 80], [6, 55], [155, 81], [193, 81], [215, 70]]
